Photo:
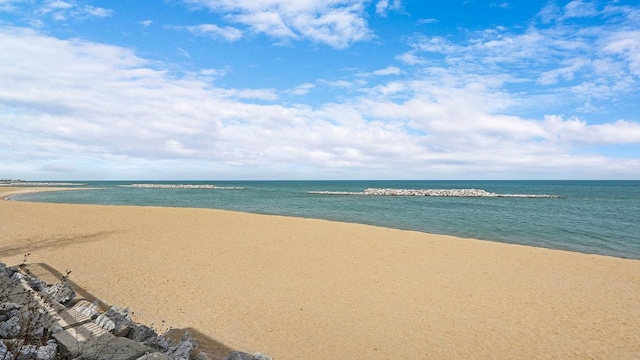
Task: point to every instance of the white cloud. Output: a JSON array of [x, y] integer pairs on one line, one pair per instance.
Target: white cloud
[[303, 89], [103, 108], [410, 58], [337, 23], [145, 23], [384, 6], [389, 70], [580, 9], [228, 33], [57, 10], [337, 83], [427, 21], [97, 11]]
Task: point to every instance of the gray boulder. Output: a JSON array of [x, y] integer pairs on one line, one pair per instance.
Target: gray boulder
[[88, 310], [104, 322], [180, 351], [158, 342], [10, 328], [121, 320], [140, 332], [60, 292], [47, 352], [4, 352], [27, 352], [154, 356], [6, 307], [100, 347]]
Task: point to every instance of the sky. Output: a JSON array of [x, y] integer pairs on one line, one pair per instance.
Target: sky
[[319, 89]]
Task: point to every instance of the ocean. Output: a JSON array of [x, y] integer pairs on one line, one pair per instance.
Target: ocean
[[597, 217]]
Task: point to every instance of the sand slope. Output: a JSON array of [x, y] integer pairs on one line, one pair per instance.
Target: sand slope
[[313, 289]]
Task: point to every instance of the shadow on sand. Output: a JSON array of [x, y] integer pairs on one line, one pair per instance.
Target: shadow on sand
[[215, 349]]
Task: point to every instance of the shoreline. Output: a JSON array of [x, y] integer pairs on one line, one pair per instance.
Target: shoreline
[[316, 289]]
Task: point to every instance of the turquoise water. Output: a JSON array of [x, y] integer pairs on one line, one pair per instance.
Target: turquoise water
[[600, 217]]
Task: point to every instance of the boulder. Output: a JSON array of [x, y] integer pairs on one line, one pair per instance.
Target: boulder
[[6, 271], [180, 351], [121, 320], [154, 356], [101, 347], [60, 292], [89, 310], [104, 322], [4, 352], [27, 352], [10, 328], [48, 351], [6, 307], [158, 342], [140, 332]]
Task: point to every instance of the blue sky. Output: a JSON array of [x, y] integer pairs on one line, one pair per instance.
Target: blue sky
[[319, 89]]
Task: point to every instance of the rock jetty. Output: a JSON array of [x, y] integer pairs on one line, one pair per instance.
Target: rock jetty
[[43, 322], [432, 192], [37, 183], [183, 186]]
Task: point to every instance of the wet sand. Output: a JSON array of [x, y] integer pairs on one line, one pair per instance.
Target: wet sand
[[313, 289]]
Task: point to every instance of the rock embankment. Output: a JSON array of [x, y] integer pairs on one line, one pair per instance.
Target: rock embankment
[[43, 322], [432, 192], [183, 186]]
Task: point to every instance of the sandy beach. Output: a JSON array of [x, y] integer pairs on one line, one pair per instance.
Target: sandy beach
[[312, 289]]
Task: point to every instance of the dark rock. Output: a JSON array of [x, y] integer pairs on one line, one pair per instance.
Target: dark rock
[[60, 292], [158, 342], [101, 347], [239, 355], [4, 352], [27, 352], [47, 352], [10, 328], [140, 332], [6, 307], [35, 283], [180, 351], [154, 356], [7, 271], [104, 322], [121, 320], [88, 310]]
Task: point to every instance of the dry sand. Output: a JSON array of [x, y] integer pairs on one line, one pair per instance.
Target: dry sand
[[312, 289]]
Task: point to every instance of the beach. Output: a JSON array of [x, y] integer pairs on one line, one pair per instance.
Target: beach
[[298, 288]]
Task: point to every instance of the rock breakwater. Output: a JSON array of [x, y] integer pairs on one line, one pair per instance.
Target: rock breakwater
[[36, 183], [183, 186], [432, 192]]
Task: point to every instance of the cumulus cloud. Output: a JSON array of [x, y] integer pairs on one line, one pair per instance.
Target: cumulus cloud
[[90, 105], [582, 64], [337, 23]]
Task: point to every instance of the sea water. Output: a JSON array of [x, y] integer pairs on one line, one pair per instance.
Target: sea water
[[599, 217]]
